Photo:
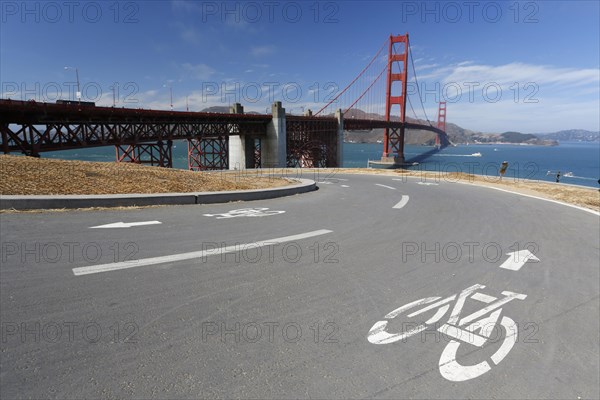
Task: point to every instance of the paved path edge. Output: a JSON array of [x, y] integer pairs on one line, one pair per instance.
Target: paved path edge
[[40, 202]]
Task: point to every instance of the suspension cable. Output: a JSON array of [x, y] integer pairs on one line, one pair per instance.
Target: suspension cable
[[370, 86], [411, 107], [355, 79], [412, 61]]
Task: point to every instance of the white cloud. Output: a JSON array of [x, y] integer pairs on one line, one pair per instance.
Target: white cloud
[[549, 115], [520, 72], [198, 71], [532, 98], [423, 67]]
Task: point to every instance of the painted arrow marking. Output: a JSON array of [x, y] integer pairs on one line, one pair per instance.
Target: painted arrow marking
[[126, 224], [402, 202], [517, 259]]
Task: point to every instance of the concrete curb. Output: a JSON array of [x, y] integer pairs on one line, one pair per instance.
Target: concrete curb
[[127, 200]]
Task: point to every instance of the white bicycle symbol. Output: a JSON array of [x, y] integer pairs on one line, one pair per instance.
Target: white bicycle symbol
[[462, 330], [245, 212]]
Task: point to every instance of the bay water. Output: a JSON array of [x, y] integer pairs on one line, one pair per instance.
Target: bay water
[[578, 162]]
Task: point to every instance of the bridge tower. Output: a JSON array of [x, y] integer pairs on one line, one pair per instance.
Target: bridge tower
[[441, 122], [393, 139]]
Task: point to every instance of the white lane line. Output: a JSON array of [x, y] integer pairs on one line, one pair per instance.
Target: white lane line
[[427, 183], [385, 186], [534, 197], [399, 179], [344, 186], [402, 202], [126, 224], [95, 269]]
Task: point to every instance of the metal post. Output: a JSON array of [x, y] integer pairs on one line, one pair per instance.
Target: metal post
[[78, 94], [78, 87]]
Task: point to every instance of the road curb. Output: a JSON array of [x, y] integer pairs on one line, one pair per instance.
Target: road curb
[[47, 202]]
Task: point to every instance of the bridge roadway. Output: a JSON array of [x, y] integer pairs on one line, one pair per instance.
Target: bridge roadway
[[49, 127], [188, 327], [31, 127]]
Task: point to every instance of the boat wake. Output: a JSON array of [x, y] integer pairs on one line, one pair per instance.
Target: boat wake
[[458, 155], [570, 175]]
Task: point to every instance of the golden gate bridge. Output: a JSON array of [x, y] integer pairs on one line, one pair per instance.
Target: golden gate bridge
[[236, 140]]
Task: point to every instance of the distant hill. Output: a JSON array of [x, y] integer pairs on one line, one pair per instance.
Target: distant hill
[[516, 137], [216, 109], [457, 134], [573, 135]]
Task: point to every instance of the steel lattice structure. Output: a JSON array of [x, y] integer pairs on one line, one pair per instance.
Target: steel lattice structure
[[257, 152], [311, 141], [32, 128], [208, 153], [159, 154]]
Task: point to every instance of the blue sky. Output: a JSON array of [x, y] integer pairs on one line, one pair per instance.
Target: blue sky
[[216, 53]]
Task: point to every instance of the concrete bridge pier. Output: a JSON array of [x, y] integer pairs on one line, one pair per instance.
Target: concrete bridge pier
[[241, 147], [244, 151], [274, 146], [310, 142]]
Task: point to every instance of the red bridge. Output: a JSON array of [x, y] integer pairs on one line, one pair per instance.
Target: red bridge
[[235, 140]]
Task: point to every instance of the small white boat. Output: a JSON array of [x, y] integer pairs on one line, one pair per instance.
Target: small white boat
[[478, 154]]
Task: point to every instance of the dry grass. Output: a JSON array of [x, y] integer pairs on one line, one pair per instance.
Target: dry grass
[[34, 176], [27, 176], [577, 195]]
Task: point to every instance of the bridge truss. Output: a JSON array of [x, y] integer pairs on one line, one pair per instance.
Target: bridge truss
[[146, 136]]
